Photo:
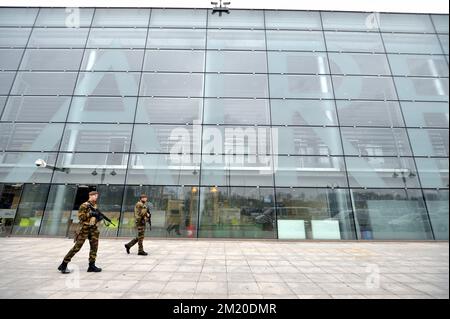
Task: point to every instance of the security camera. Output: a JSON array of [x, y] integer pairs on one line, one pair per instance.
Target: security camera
[[40, 163]]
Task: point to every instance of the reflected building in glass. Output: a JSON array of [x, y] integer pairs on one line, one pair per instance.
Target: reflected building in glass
[[344, 119]]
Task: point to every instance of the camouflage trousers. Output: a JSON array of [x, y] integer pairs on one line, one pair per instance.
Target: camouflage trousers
[[138, 239], [86, 232]]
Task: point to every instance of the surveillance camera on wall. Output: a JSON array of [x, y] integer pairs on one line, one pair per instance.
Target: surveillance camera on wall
[[40, 163]]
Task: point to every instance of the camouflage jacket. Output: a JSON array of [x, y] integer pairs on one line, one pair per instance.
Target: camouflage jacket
[[84, 214], [141, 212]]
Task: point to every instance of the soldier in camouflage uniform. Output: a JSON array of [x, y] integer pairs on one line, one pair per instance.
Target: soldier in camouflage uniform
[[141, 213], [87, 230]]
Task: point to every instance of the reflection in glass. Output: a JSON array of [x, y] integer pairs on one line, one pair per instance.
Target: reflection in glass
[[236, 85], [369, 113], [309, 171], [426, 114], [287, 19], [437, 204], [237, 212], [59, 210], [295, 40], [107, 83], [350, 21], [176, 39], [354, 42], [303, 112], [375, 141], [359, 64], [433, 172], [298, 62], [429, 142], [44, 83], [418, 65], [20, 167], [30, 136], [390, 214], [174, 211], [174, 60], [169, 110], [300, 86], [91, 168], [237, 111], [51, 59], [314, 214], [64, 17], [58, 38], [412, 43], [102, 109], [309, 141], [414, 23], [117, 38], [10, 58], [236, 40], [364, 87], [121, 18], [36, 108], [112, 60], [382, 172], [195, 18], [9, 200], [14, 37], [172, 84], [30, 210], [6, 80], [236, 61], [425, 89], [163, 169]]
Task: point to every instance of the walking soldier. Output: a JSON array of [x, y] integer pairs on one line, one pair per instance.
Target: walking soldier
[[87, 230], [141, 213]]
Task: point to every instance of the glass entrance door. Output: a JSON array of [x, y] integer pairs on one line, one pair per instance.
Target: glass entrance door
[[9, 201]]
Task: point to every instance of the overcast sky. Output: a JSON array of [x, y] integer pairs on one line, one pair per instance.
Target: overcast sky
[[425, 6]]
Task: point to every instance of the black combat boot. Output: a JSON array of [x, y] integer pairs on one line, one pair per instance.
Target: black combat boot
[[93, 268], [63, 268], [127, 248], [142, 253]]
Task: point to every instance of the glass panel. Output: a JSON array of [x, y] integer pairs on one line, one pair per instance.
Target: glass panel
[[375, 141], [425, 89], [295, 40], [237, 40], [412, 43], [228, 111], [64, 17], [303, 112], [390, 215], [91, 168], [176, 84], [176, 39], [382, 172], [354, 42], [416, 23], [112, 60], [102, 109], [174, 60], [121, 17], [10, 59], [51, 60], [110, 203], [309, 171], [102, 83], [18, 16], [298, 62], [58, 38], [167, 111], [444, 42], [36, 108], [236, 85], [369, 113], [9, 200], [440, 22], [314, 214], [236, 140], [30, 136], [364, 87], [309, 141], [117, 38], [59, 210], [293, 20], [244, 19], [14, 37], [96, 138], [237, 212], [44, 83], [433, 172], [30, 210], [350, 21], [174, 211], [195, 18], [418, 65], [427, 114], [20, 167], [371, 64], [429, 142], [300, 86], [437, 204], [237, 170], [6, 79], [165, 138], [236, 61], [2, 103], [162, 169]]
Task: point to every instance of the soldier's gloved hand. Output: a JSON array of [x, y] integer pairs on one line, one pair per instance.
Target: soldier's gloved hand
[[95, 214]]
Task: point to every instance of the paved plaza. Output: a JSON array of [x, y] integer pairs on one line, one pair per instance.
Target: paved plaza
[[227, 269]]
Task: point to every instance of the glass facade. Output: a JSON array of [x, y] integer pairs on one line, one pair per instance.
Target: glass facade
[[258, 124]]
